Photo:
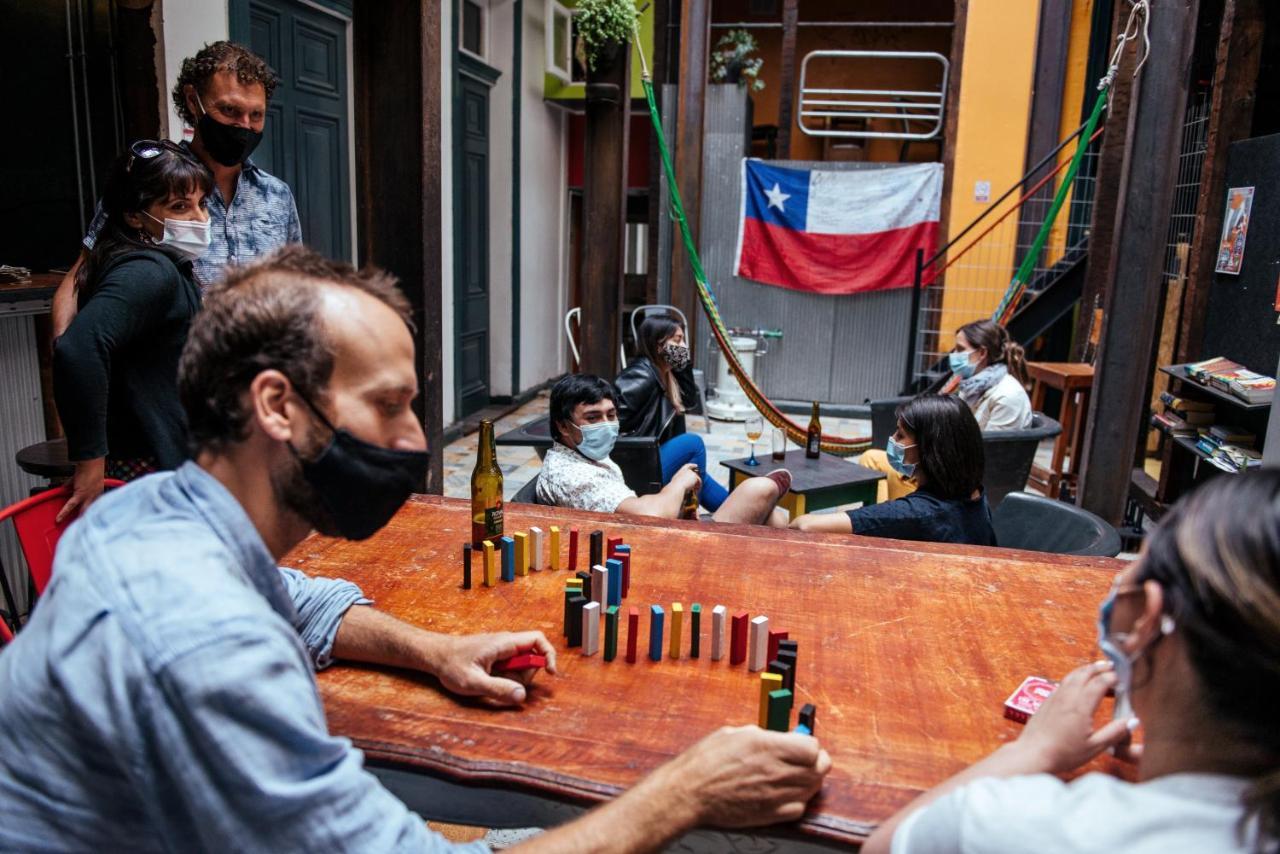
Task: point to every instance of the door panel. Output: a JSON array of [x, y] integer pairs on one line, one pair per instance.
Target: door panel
[[471, 282], [306, 138]]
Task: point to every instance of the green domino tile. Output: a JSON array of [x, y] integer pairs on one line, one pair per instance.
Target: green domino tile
[[779, 718], [611, 633]]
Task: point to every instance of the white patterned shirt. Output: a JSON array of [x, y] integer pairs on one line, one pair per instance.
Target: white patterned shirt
[[568, 479]]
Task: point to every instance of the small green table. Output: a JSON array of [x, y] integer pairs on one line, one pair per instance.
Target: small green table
[[828, 481]]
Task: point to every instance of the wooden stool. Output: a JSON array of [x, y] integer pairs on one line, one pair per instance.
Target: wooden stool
[[1075, 381]]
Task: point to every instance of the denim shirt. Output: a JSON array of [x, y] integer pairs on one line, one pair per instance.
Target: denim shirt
[[162, 697], [263, 216]]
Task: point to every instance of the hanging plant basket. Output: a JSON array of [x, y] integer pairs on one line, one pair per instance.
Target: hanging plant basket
[[605, 28]]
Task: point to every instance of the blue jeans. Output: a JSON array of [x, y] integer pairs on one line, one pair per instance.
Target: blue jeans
[[688, 448]]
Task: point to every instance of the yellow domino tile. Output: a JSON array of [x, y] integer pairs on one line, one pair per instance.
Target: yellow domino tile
[[522, 553], [555, 547], [768, 682], [490, 565]]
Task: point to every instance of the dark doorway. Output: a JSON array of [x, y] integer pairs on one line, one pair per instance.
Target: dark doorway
[[306, 142], [471, 234]]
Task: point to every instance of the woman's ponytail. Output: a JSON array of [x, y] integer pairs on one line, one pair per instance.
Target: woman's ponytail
[[1015, 359]]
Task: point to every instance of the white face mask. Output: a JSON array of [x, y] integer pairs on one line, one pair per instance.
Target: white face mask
[[189, 238]]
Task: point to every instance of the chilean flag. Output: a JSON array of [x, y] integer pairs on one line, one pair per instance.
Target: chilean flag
[[837, 232]]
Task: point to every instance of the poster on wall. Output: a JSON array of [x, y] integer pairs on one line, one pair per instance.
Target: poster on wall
[[1235, 227]]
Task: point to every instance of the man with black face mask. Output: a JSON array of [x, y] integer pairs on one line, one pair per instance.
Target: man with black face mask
[[162, 696], [222, 93]]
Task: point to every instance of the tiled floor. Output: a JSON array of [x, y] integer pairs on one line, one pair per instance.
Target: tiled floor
[[726, 441]]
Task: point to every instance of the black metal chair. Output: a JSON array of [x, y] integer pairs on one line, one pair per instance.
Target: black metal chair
[[1039, 524], [1009, 455], [528, 494]]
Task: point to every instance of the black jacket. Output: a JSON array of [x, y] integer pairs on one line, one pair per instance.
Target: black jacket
[[643, 406], [115, 370]]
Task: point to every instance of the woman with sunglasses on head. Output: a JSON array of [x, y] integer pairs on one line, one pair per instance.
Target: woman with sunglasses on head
[[115, 369], [1191, 638], [653, 394], [937, 447]]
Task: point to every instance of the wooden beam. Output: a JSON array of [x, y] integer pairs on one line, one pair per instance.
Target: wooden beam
[[604, 211], [398, 178], [1146, 200], [695, 37], [1106, 192], [1044, 123], [1235, 82], [787, 76]]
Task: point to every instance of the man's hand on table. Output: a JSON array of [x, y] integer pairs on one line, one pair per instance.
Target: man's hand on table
[[465, 661]]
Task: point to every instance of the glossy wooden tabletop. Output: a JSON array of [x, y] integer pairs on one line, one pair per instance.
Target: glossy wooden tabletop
[[907, 650]]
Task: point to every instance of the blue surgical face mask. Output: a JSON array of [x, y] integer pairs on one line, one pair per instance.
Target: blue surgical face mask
[[960, 364], [597, 439], [898, 458], [1109, 642]]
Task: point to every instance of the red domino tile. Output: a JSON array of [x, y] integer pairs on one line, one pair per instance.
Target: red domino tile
[[774, 639], [738, 638], [524, 661], [633, 633], [573, 550], [611, 544], [625, 557]]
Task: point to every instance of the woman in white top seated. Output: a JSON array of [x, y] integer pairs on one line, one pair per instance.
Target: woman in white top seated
[[993, 376], [992, 372], [1191, 633]]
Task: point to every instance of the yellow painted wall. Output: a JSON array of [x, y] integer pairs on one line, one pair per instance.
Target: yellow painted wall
[[991, 144]]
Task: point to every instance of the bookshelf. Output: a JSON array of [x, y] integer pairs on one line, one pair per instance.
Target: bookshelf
[[1180, 372]]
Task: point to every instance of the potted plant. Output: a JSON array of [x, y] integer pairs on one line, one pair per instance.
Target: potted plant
[[605, 28], [732, 60]]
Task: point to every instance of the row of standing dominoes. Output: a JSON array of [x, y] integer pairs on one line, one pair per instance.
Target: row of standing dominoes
[[516, 555]]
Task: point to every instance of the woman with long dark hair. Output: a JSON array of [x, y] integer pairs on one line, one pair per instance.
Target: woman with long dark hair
[[938, 448], [115, 369], [653, 394], [1191, 637]]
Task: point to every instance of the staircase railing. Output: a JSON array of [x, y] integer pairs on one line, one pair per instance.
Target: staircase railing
[[965, 279]]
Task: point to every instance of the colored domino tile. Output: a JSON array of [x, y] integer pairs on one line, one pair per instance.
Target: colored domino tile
[[615, 581], [585, 577], [758, 644], [624, 554], [576, 604], [633, 633], [466, 566], [591, 628], [537, 541], [569, 594], [788, 645], [808, 713], [611, 544], [490, 565], [677, 627], [522, 554], [784, 670], [519, 661], [554, 539], [508, 558], [600, 585], [573, 550], [718, 614], [611, 633], [768, 682], [738, 638], [775, 638], [656, 617], [695, 630], [597, 548], [789, 658], [779, 717]]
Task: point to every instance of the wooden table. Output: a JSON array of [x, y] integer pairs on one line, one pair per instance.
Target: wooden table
[[828, 481], [908, 651], [1075, 381]]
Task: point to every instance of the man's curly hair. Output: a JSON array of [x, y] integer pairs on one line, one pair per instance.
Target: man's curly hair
[[247, 66]]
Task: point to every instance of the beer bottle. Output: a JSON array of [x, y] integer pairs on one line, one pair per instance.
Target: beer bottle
[[486, 491], [813, 443], [689, 509]]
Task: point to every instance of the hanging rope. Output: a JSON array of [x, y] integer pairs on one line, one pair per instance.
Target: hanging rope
[[838, 445]]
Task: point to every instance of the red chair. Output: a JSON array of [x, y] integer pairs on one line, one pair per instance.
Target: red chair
[[38, 535]]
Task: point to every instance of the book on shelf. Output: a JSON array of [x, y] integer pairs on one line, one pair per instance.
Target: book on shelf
[[1182, 404], [1225, 434], [1236, 459], [1200, 371], [1173, 425], [1258, 389]]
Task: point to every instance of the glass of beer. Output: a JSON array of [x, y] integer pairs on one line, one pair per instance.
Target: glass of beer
[[755, 429], [779, 444]]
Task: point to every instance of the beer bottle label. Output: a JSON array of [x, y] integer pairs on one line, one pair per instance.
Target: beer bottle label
[[493, 521]]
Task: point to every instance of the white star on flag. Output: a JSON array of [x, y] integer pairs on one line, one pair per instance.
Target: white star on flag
[[777, 197]]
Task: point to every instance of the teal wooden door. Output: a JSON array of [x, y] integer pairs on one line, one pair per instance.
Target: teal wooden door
[[306, 140]]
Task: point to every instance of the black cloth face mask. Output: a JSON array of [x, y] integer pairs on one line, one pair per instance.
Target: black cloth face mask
[[230, 145], [360, 485]]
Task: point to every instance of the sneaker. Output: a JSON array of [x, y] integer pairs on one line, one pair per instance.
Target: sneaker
[[782, 478]]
